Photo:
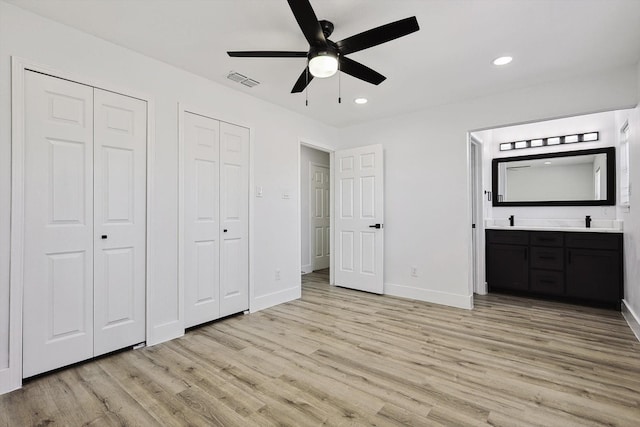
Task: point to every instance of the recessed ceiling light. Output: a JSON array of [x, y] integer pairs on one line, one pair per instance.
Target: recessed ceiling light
[[503, 60], [547, 163], [361, 100]]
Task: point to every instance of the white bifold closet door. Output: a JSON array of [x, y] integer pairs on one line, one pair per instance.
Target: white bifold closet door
[[120, 137], [216, 212], [85, 152]]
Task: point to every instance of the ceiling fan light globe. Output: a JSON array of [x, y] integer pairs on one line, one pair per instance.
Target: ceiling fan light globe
[[323, 65]]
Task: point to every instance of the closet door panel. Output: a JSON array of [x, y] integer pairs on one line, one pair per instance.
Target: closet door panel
[[58, 204], [120, 221], [234, 213], [201, 217]]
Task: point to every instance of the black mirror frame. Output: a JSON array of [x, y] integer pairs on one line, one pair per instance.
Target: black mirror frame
[[611, 178]]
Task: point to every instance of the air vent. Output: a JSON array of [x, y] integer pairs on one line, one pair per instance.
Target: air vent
[[236, 77], [241, 78], [250, 82]]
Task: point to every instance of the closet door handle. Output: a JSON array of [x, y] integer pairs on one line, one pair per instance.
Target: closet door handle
[[224, 231], [104, 236]]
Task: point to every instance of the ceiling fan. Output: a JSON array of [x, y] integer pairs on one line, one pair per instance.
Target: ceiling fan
[[326, 57]]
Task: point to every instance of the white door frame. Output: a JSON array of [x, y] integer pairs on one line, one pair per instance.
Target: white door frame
[[480, 285], [221, 116], [309, 201], [12, 376], [331, 150]]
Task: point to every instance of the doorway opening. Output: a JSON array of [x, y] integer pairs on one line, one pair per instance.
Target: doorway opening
[[315, 211], [533, 176], [478, 284]]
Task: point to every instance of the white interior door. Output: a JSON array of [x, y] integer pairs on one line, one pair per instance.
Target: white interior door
[[201, 216], [319, 209], [473, 188], [359, 236], [120, 137], [234, 219], [58, 238]]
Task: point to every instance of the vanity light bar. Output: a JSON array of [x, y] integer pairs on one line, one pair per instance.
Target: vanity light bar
[[553, 140]]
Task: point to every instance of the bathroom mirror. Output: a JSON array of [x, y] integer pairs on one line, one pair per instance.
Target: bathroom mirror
[[570, 178]]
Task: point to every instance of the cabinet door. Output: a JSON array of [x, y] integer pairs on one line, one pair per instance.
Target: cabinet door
[[593, 275], [508, 267]]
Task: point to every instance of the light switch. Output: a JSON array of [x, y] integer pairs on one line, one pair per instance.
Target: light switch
[[259, 191]]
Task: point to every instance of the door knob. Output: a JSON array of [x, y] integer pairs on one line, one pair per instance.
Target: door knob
[[376, 226], [224, 231], [104, 236]]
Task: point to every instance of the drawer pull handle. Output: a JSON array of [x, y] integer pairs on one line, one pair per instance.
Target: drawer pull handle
[[547, 257], [550, 282]]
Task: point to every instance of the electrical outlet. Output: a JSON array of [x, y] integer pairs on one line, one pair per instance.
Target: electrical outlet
[[414, 271], [277, 274]]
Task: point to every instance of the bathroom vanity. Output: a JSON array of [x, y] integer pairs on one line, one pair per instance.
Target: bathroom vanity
[[577, 266]]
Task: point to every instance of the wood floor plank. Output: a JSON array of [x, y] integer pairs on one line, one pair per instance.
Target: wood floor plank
[[338, 357]]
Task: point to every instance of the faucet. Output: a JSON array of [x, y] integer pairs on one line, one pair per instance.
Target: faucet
[[511, 221], [587, 221]]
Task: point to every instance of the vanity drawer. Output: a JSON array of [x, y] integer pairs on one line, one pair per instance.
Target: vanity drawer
[[547, 238], [508, 237], [547, 282], [547, 258], [611, 241]]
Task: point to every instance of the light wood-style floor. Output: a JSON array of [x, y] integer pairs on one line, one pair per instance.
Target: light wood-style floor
[[341, 357]]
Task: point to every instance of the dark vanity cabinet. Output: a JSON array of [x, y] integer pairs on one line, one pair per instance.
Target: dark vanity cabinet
[[578, 266]]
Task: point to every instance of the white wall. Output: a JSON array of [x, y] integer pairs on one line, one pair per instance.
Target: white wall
[[631, 217], [427, 215], [308, 155], [276, 133]]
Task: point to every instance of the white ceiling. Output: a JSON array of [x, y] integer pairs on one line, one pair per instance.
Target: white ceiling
[[448, 60]]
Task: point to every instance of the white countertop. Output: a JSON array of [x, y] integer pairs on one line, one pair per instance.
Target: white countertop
[[575, 225], [553, 228]]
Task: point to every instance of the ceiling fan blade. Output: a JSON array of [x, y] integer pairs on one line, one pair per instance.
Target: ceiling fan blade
[[266, 54], [360, 71], [304, 79], [308, 22], [378, 35]]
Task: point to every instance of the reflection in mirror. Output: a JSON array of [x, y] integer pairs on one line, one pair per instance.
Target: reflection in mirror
[[562, 178], [567, 178]]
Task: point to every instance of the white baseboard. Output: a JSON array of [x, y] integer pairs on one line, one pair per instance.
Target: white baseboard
[[306, 269], [632, 318], [275, 298], [436, 297]]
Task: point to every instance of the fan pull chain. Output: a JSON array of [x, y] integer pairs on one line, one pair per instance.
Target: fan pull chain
[[339, 83], [306, 88]]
